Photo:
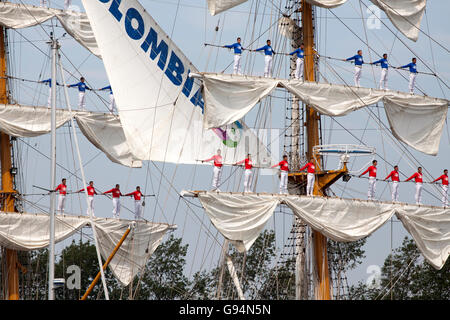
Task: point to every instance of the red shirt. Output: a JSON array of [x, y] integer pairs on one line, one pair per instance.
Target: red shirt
[[62, 189], [90, 190], [283, 165], [372, 171], [248, 163], [217, 160], [393, 175], [115, 192], [417, 177], [137, 195], [444, 179], [311, 167]]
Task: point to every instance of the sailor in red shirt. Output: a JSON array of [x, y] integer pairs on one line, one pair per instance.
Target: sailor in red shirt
[[217, 169], [62, 188], [90, 191], [247, 173], [137, 194], [116, 200], [395, 182], [311, 169], [418, 179], [284, 167], [444, 179], [372, 179]]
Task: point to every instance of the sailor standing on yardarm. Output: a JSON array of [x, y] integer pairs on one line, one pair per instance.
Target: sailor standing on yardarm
[[384, 71], [90, 191], [248, 173], [418, 178], [395, 183], [358, 66], [217, 173], [300, 61], [237, 55], [444, 179], [284, 168], [137, 194], [268, 54], [372, 179], [49, 83], [82, 87], [112, 101], [412, 74], [115, 200], [311, 177], [62, 188]]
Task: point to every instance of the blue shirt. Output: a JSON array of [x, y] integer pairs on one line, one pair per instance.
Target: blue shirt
[[268, 51], [299, 52], [383, 61], [106, 88], [236, 46], [82, 86], [412, 67], [358, 59], [49, 82]]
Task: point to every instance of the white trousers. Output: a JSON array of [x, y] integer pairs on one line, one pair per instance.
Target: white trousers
[[418, 196], [357, 76], [217, 174], [283, 182], [299, 69], [90, 205], [81, 100], [268, 66], [112, 103], [49, 101], [247, 180], [384, 78], [412, 81], [237, 64], [116, 207], [310, 186], [137, 209], [61, 203], [394, 191], [445, 196], [372, 188]]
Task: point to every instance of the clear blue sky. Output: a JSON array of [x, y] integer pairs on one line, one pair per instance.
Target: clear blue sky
[[190, 29]]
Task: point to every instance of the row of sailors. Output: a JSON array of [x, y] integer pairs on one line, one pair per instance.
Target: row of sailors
[[311, 172], [358, 61], [82, 87], [115, 192]]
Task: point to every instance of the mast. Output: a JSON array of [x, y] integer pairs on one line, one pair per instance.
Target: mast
[[12, 264], [51, 257]]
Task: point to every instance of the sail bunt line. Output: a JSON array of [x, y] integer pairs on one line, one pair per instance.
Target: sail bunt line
[[103, 130], [240, 218], [18, 16], [415, 120], [405, 15], [160, 106], [26, 231]]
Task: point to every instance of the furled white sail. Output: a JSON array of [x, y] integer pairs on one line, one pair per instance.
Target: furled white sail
[[25, 231], [241, 217], [160, 106], [102, 129], [415, 120], [17, 16], [405, 15], [288, 28], [218, 6]]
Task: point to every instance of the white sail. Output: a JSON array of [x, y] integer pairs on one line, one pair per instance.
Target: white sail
[[17, 16], [218, 6], [241, 217], [415, 120], [405, 15], [160, 106], [25, 232], [103, 130]]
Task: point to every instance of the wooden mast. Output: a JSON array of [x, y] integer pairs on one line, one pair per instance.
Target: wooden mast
[[12, 264]]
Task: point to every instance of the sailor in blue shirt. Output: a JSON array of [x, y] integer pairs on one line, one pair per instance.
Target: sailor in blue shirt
[[268, 52], [237, 55], [358, 66], [82, 87], [49, 83], [412, 74], [112, 101], [300, 61], [384, 71]]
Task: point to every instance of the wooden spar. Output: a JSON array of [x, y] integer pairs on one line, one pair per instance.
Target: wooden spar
[[12, 263], [105, 265]]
